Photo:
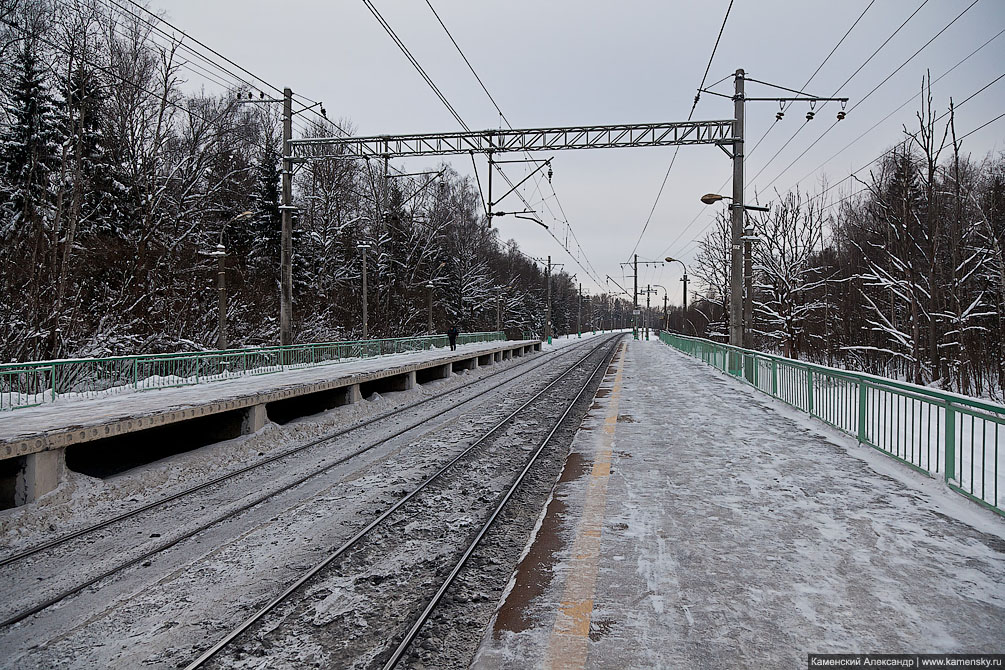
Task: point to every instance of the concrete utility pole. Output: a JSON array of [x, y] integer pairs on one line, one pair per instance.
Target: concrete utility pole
[[579, 314], [666, 313], [649, 290], [221, 287], [684, 279], [221, 281], [363, 246], [547, 318], [286, 259], [429, 295], [498, 313], [635, 298], [736, 325], [748, 288]]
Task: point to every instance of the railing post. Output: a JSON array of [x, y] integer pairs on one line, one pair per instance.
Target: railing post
[[54, 382], [950, 438], [136, 381], [863, 412], [809, 390], [774, 377]]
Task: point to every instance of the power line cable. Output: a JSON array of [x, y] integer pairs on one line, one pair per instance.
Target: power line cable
[[772, 126], [111, 73], [415, 63], [216, 53], [174, 42], [594, 276], [867, 95], [537, 180], [673, 159], [907, 102], [875, 52], [838, 89]]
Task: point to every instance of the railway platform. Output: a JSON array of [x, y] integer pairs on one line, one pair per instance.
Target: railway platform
[[699, 524], [34, 441]]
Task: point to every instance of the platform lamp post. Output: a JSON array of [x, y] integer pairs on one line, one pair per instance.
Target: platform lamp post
[[738, 325], [363, 246], [429, 302], [666, 322], [220, 254], [429, 296], [683, 279]]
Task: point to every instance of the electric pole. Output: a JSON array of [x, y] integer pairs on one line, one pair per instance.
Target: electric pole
[[666, 314], [429, 296], [649, 290], [684, 279], [498, 314], [748, 288], [736, 263], [286, 256], [547, 318], [635, 299], [221, 287], [363, 246], [579, 314]]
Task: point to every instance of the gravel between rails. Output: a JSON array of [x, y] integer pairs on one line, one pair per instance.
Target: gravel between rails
[[351, 612]]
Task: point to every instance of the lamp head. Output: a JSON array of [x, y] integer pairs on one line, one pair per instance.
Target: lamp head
[[711, 198]]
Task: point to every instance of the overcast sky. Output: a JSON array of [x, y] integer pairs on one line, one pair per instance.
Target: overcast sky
[[570, 62]]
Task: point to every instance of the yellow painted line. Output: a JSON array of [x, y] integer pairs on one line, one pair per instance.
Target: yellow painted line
[[570, 636]]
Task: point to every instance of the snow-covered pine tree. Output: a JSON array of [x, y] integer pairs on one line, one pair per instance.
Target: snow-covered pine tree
[[29, 157]]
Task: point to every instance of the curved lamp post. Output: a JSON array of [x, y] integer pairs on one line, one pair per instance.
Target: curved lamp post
[[666, 299], [683, 279], [740, 309], [220, 253]]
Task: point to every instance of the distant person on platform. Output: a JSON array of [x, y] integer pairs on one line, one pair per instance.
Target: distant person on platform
[[452, 335]]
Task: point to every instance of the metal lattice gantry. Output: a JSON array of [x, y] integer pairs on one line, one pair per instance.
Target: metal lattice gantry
[[618, 136]]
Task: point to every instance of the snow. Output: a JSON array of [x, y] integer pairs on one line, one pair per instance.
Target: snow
[[906, 421], [739, 532], [50, 417]]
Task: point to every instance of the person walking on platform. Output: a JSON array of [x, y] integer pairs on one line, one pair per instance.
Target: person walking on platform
[[452, 335]]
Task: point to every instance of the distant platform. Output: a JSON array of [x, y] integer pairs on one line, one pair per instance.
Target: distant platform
[[38, 436]]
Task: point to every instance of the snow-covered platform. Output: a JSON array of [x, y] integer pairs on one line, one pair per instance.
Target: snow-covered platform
[[40, 435], [699, 524]]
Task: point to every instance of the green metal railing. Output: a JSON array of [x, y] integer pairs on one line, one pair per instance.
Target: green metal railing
[[939, 433], [34, 383]]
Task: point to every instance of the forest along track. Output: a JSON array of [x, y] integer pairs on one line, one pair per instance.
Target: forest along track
[[64, 560], [353, 608]]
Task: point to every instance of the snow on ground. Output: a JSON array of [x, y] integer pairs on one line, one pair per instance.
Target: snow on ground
[[736, 532]]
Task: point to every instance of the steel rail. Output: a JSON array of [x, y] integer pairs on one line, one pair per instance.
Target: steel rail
[[257, 616], [39, 607], [427, 612]]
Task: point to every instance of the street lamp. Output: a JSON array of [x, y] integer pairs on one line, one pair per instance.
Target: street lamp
[[220, 253], [363, 246], [666, 317], [683, 279], [429, 296], [741, 267]]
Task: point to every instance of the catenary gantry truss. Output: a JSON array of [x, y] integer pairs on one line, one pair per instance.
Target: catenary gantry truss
[[505, 140]]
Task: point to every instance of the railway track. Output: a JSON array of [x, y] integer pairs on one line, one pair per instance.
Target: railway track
[[332, 613], [64, 545]]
